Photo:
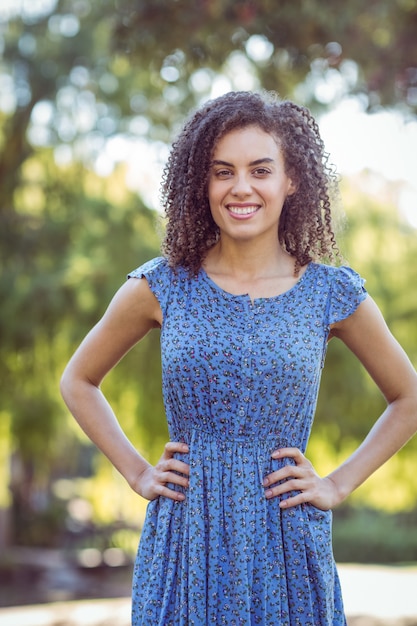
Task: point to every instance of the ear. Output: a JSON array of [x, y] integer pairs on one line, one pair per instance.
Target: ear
[[292, 187]]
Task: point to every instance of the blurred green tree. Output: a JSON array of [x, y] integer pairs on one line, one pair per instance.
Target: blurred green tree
[[77, 74], [317, 50], [381, 245]]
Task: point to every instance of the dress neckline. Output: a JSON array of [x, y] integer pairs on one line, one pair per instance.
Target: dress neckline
[[246, 296]]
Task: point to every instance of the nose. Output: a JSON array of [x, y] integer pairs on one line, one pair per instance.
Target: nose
[[241, 185]]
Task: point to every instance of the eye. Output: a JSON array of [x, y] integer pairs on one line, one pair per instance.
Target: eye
[[223, 173], [261, 172]]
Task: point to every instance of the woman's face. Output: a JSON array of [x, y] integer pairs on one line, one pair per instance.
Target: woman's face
[[248, 184]]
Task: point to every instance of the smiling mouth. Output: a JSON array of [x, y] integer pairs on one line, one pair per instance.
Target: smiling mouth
[[242, 210]]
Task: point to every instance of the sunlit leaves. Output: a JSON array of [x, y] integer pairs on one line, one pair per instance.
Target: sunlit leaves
[[382, 247], [86, 87]]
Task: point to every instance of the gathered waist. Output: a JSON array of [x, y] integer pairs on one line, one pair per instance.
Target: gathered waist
[[229, 458], [270, 441]]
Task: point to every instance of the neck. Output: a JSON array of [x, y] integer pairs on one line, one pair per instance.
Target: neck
[[245, 259]]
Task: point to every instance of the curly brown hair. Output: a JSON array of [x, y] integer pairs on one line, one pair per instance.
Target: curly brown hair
[[305, 228]]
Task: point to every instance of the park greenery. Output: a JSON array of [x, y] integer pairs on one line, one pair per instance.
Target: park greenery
[[87, 89]]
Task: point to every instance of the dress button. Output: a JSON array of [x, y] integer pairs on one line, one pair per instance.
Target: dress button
[[241, 412]]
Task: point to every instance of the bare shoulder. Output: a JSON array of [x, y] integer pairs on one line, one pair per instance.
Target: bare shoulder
[[367, 313], [365, 332], [134, 306]]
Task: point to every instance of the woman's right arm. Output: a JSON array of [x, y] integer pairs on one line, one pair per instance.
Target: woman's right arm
[[132, 313]]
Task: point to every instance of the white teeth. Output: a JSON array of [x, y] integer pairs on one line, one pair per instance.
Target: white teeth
[[246, 210]]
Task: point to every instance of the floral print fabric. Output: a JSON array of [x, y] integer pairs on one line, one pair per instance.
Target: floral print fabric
[[240, 379]]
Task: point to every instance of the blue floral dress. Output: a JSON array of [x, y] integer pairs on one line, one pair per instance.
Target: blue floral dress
[[240, 379]]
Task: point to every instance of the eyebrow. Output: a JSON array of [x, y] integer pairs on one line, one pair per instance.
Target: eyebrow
[[252, 163]]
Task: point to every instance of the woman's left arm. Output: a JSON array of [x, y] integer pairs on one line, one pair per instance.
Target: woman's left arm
[[366, 334]]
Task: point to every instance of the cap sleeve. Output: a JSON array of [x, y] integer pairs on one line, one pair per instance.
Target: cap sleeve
[[346, 294], [158, 275]]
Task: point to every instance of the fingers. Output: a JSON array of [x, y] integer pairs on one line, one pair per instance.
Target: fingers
[[301, 467], [168, 473], [168, 462], [300, 478], [171, 470], [285, 487], [292, 453], [175, 446], [300, 498], [161, 488]]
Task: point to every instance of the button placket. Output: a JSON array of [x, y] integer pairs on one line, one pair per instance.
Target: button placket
[[246, 364]]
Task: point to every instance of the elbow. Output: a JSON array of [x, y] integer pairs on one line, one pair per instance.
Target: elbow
[[408, 409], [70, 383], [66, 385], [74, 384]]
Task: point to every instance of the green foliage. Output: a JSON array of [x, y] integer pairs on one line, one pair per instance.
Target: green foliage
[[304, 42], [61, 264], [368, 536], [95, 70], [105, 67], [380, 245]]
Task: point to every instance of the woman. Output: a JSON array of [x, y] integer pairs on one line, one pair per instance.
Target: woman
[[238, 529]]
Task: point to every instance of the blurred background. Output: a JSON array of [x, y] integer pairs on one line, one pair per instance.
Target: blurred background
[[91, 95]]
